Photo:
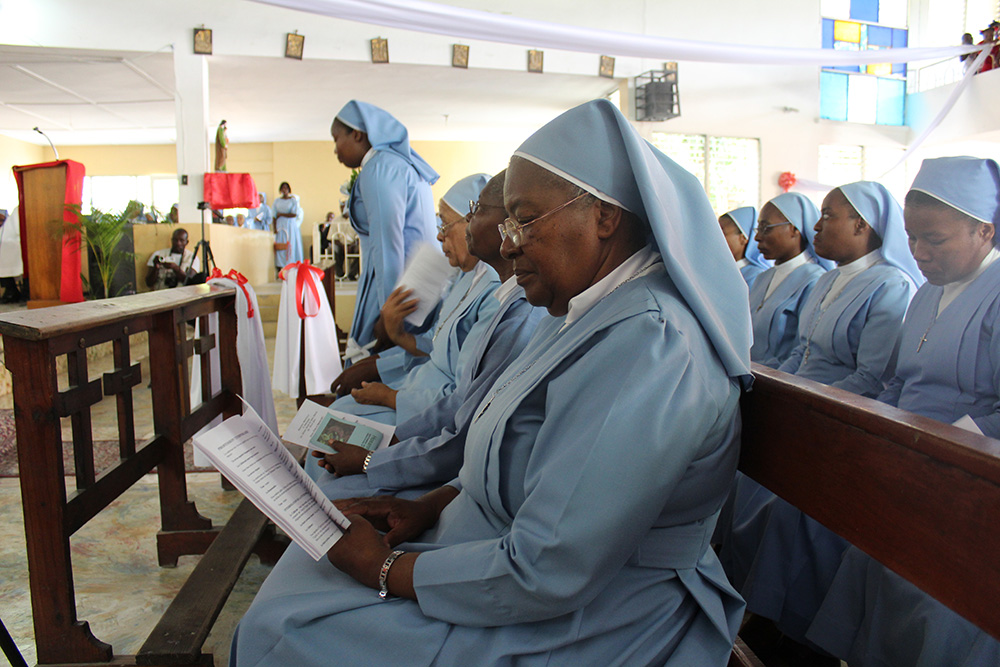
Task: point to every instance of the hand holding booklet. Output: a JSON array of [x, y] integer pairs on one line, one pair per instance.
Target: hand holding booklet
[[257, 462], [426, 274]]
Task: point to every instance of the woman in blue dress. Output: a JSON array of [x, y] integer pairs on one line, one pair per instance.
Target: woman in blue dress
[[949, 370], [390, 205], [537, 555], [259, 217], [780, 560], [287, 222], [738, 226], [784, 235]]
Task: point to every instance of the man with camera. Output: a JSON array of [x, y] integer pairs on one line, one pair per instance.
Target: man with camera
[[172, 266]]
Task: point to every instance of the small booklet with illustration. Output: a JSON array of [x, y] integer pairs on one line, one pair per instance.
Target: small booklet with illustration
[[257, 462], [316, 427], [427, 273]]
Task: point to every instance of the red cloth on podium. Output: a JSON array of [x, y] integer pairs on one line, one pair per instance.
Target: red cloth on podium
[[70, 281], [224, 190]]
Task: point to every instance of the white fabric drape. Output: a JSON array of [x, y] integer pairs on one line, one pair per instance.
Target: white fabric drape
[[464, 23]]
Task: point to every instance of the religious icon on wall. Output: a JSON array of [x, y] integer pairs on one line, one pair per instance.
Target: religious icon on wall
[[380, 50], [535, 60], [294, 42], [460, 55], [203, 41], [607, 68]]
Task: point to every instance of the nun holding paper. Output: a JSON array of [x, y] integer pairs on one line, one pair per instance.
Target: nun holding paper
[[535, 555]]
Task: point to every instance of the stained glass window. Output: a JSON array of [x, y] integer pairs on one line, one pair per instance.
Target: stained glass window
[[874, 93]]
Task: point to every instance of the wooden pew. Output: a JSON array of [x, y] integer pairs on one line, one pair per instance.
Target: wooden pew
[[33, 341], [919, 496]]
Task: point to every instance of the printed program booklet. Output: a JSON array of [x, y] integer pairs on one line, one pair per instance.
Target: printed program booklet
[[317, 427], [255, 460], [427, 273]]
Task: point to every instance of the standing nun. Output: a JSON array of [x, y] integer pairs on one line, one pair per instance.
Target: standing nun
[[738, 228], [556, 546], [949, 370], [784, 235], [391, 206]]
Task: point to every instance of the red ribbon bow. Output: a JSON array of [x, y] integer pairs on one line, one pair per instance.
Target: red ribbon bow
[[787, 180], [305, 268], [241, 282]]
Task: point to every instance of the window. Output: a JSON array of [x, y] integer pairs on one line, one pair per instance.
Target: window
[[874, 94], [113, 193], [845, 164], [728, 167]]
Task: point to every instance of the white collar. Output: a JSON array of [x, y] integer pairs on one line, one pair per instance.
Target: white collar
[[368, 156], [952, 290], [740, 263], [783, 270], [630, 268], [860, 264], [506, 288]]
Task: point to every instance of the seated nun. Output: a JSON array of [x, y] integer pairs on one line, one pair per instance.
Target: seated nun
[[535, 555], [738, 228], [948, 369], [784, 236], [469, 301], [780, 560], [431, 444]]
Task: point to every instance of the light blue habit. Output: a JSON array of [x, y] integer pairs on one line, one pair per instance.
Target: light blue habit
[[391, 208], [431, 444], [776, 318], [780, 560], [542, 558], [264, 224], [396, 363], [847, 344], [287, 230], [949, 367], [745, 219]]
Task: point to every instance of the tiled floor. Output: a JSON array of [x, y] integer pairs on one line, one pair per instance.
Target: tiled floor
[[120, 589]]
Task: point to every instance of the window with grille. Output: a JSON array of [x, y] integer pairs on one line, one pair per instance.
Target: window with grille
[[728, 167]]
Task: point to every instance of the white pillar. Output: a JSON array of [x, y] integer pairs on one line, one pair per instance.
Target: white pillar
[[191, 103]]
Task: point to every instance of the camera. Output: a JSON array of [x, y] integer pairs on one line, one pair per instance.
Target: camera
[[203, 206]]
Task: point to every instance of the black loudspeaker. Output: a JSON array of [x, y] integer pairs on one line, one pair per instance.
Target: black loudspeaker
[[656, 96]]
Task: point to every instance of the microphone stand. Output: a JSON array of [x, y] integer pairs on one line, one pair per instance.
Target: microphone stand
[[47, 139]]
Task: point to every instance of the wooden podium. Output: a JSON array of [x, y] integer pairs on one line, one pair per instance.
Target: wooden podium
[[51, 254]]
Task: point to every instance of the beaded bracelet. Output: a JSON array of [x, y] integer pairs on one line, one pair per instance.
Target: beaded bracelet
[[383, 575], [368, 459]]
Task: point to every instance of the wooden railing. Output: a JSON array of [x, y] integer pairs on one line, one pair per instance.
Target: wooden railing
[[33, 342]]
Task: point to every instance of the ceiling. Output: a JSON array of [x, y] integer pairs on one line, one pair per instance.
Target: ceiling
[[83, 97]]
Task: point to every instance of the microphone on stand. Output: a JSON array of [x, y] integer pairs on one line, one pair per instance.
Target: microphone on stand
[[47, 139]]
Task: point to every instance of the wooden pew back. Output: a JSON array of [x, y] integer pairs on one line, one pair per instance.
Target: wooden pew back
[[921, 497]]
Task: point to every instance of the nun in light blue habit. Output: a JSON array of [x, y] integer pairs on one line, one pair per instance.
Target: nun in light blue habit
[[779, 293], [395, 363], [949, 370], [752, 264], [855, 309], [391, 208], [259, 217], [780, 560], [541, 557]]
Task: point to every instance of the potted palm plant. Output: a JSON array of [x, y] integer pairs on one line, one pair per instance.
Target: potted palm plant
[[108, 237]]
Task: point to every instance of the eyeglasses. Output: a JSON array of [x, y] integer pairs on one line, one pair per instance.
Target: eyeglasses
[[443, 228], [766, 229], [512, 229], [474, 207]]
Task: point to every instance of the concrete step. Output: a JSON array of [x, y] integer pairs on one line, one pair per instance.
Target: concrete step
[[270, 327]]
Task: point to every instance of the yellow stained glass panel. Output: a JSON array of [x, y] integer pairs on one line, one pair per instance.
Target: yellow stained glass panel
[[847, 31], [880, 69]]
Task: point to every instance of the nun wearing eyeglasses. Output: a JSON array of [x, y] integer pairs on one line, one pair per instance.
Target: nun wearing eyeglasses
[[424, 368], [535, 555], [391, 206], [784, 235], [780, 560], [738, 228], [949, 370]]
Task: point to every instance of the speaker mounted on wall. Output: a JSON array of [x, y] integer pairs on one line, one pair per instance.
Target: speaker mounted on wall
[[656, 94]]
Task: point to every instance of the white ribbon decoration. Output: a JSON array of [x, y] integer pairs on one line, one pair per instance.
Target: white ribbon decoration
[[438, 19]]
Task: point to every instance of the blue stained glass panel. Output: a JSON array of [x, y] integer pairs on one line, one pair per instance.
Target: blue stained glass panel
[[827, 33], [891, 101], [833, 95], [898, 38], [879, 36], [864, 10]]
